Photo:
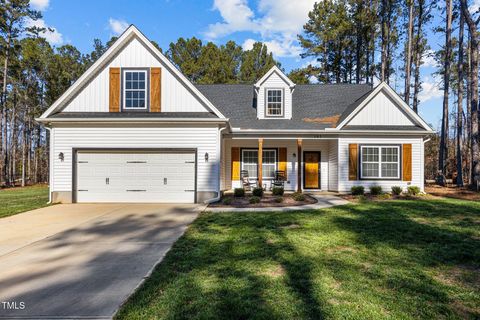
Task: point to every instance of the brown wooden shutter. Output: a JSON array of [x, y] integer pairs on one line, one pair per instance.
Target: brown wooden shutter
[[114, 91], [352, 161], [155, 89], [407, 162], [235, 163], [282, 160]]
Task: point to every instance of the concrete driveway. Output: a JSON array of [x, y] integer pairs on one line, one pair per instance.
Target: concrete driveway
[[82, 260]]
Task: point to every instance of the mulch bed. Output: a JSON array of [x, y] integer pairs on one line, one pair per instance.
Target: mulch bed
[[267, 200], [452, 192], [381, 197]]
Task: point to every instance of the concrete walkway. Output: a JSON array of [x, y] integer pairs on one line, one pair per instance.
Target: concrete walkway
[[82, 260], [323, 201]]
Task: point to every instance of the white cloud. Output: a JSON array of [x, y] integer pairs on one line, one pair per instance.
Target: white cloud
[[429, 59], [430, 89], [51, 34], [40, 5], [278, 22], [474, 7], [117, 26]]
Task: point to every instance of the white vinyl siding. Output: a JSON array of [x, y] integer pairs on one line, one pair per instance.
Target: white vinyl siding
[[274, 82], [204, 138], [344, 184], [175, 96], [333, 165], [382, 111]]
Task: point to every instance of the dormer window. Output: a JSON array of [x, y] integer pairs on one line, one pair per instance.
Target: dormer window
[[135, 89], [274, 105]]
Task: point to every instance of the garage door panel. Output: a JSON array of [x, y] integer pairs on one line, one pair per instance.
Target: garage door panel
[[135, 177]]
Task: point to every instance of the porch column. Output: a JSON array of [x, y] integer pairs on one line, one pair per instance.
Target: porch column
[[260, 162], [299, 165]]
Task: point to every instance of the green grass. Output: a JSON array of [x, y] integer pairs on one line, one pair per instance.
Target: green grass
[[16, 200], [400, 259]]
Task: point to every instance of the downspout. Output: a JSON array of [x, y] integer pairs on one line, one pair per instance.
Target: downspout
[[50, 166], [219, 156]]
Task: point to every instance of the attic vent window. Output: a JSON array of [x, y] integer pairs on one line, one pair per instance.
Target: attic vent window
[[274, 102], [135, 89]]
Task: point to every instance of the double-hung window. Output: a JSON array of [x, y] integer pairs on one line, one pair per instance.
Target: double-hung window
[[380, 162], [250, 162], [274, 102], [134, 89]]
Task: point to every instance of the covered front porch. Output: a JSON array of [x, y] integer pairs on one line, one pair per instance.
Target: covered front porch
[[307, 163]]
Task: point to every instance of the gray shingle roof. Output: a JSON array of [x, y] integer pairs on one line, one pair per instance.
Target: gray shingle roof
[[311, 104]]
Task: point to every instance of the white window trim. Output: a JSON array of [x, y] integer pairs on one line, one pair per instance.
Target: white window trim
[[256, 150], [124, 89], [282, 102], [379, 176]]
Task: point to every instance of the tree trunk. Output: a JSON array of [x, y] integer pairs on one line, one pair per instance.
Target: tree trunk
[[469, 109], [384, 41], [408, 53], [460, 103], [418, 56], [443, 153], [475, 175], [4, 108], [24, 156]]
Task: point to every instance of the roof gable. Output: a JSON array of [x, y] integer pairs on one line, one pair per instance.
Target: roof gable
[[382, 107], [132, 49], [275, 70]]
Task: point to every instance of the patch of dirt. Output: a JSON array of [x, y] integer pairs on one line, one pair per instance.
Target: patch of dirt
[[452, 192], [275, 272], [267, 200], [291, 226], [461, 275]]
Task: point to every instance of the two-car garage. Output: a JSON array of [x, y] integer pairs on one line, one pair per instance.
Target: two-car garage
[[135, 176]]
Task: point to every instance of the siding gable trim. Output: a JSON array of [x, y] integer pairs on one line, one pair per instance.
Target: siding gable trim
[[396, 99], [130, 33]]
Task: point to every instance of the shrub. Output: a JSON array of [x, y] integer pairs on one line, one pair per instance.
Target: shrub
[[396, 190], [358, 190], [227, 201], [413, 190], [277, 191], [254, 200], [384, 196], [375, 190], [297, 196], [279, 199], [257, 192], [239, 192]]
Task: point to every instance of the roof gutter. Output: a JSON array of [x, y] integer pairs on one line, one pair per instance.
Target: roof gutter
[[329, 132]]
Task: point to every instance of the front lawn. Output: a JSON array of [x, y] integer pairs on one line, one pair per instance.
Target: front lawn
[[399, 259], [16, 200]]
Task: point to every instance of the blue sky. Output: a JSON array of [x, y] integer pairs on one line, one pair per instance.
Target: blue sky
[[275, 22]]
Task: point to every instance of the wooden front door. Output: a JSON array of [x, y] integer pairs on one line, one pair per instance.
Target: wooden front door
[[311, 178]]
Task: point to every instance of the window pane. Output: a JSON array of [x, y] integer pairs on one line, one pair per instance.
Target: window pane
[[370, 154], [389, 154], [269, 163], [274, 102], [390, 170], [135, 92], [370, 170]]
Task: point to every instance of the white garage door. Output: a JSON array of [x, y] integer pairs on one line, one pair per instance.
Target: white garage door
[[107, 176]]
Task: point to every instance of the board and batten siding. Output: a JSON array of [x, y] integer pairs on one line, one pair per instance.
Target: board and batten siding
[[203, 138], [175, 97], [381, 110], [274, 82], [344, 184], [291, 145]]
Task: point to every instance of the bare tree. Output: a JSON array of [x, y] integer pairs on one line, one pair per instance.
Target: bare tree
[[408, 53], [443, 153], [460, 103]]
